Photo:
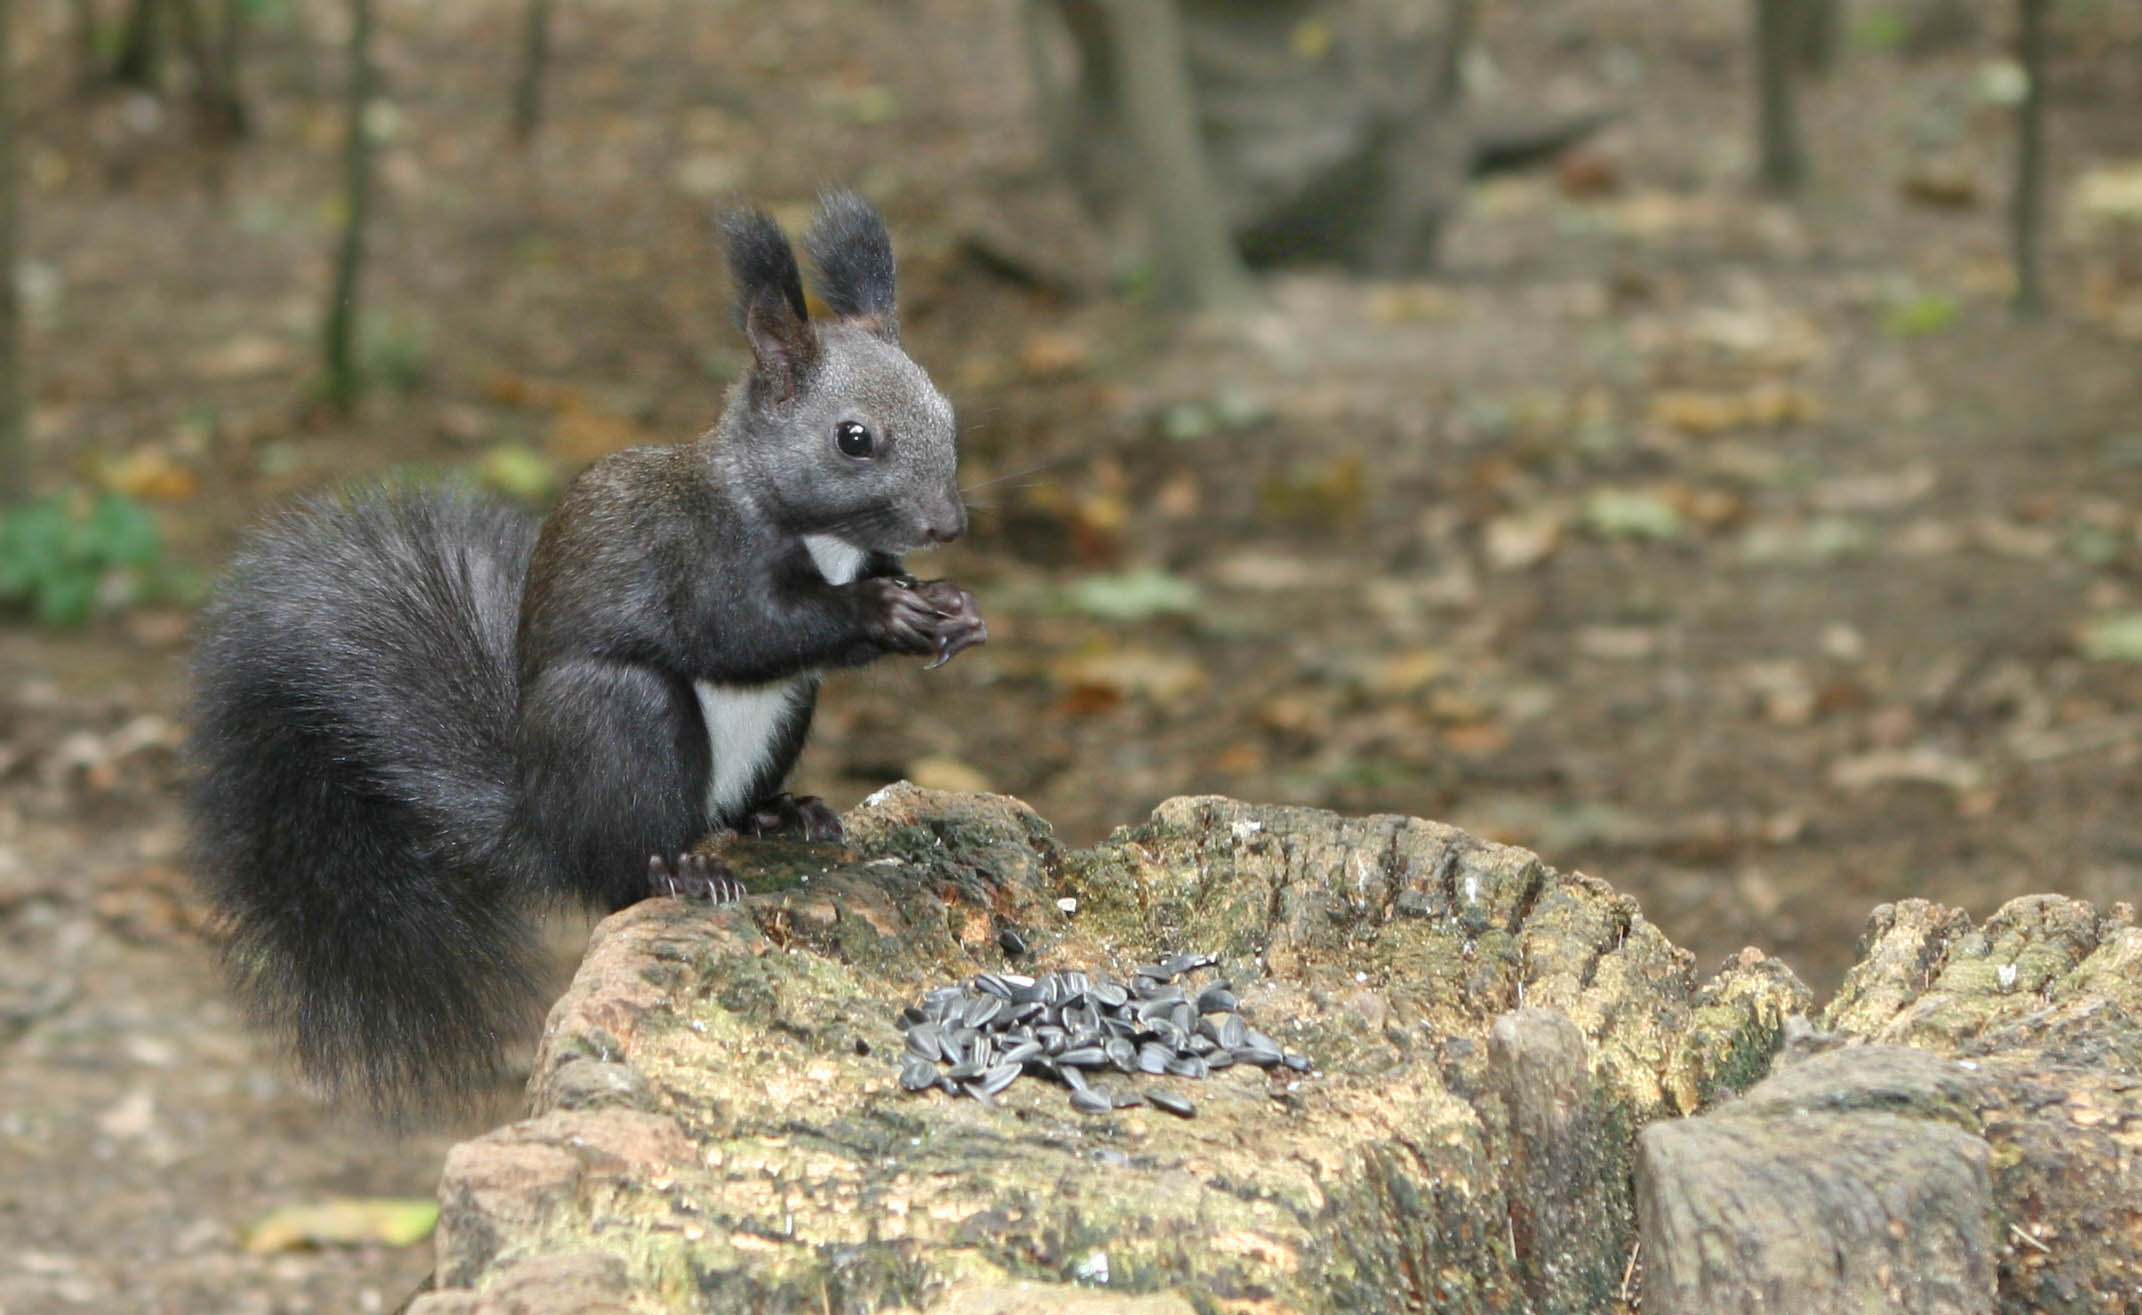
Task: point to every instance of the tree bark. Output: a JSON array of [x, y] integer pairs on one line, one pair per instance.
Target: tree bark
[[14, 422], [1195, 265], [535, 62], [339, 341], [82, 15], [1820, 21], [1500, 1059], [214, 57], [1783, 164], [2028, 202], [140, 62]]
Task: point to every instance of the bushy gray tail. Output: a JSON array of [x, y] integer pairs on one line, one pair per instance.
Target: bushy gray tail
[[353, 759]]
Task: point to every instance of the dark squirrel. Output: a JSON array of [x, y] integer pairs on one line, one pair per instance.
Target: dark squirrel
[[418, 713]]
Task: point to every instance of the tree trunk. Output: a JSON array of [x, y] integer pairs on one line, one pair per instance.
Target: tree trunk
[[1195, 265], [535, 60], [230, 51], [340, 339], [88, 72], [1820, 21], [140, 62], [14, 425], [2027, 203], [1425, 162], [215, 72], [1783, 166]]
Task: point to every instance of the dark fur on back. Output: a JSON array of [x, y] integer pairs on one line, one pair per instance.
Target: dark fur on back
[[849, 245], [761, 263], [354, 782]]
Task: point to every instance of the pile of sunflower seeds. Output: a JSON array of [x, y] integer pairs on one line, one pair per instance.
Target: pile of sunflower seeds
[[976, 1039]]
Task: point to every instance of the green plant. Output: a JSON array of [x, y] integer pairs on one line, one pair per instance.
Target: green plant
[[63, 554]]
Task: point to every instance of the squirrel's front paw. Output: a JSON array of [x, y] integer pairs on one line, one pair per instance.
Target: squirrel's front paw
[[959, 621], [695, 877], [805, 816], [901, 619]]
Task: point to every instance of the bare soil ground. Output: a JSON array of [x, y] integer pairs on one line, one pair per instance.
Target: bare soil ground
[[1734, 551]]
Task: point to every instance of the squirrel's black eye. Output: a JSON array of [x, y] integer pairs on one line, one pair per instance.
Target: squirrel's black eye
[[853, 437]]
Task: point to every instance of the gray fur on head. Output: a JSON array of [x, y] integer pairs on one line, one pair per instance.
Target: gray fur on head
[[779, 438]]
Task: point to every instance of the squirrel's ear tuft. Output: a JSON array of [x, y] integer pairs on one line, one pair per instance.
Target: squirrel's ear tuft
[[761, 263], [853, 253], [769, 301]]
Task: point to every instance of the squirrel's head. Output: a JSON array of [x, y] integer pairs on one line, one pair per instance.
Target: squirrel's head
[[837, 429]]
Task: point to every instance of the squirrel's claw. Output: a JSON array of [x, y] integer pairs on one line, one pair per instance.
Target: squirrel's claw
[[693, 877], [959, 623]]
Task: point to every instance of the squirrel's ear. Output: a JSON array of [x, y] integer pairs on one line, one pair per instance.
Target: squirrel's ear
[[853, 253], [769, 301], [782, 347]]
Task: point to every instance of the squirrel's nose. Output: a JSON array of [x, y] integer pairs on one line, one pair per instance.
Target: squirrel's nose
[[945, 521]]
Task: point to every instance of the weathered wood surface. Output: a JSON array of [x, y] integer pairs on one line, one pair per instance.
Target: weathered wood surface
[[717, 1124]]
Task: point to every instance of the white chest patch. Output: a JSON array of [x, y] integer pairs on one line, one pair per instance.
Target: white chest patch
[[836, 559], [744, 724]]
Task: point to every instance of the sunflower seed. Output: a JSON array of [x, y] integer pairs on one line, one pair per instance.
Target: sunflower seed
[[1088, 1101], [1297, 1061], [1000, 1077], [917, 1073], [925, 1040], [1216, 999], [982, 1009], [1154, 1058], [1172, 1103], [1020, 1053], [1188, 1066]]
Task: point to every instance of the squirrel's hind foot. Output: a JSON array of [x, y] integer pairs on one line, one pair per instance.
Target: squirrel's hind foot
[[803, 817], [693, 877]]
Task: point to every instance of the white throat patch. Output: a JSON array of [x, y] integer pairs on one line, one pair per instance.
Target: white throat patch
[[836, 559]]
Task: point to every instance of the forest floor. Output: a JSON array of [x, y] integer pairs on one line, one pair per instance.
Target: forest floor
[[1748, 555]]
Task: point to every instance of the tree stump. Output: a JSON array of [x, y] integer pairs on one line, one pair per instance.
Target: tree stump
[[718, 1121]]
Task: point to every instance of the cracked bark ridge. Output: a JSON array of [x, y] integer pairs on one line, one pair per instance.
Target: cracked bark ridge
[[1969, 1140], [718, 1122]]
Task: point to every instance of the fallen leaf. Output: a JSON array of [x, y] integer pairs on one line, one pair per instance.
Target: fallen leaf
[[2111, 195], [1920, 315], [1876, 492], [343, 1221], [1133, 595], [245, 356], [518, 471], [1618, 643], [1408, 673], [1943, 185], [1160, 677], [150, 473], [1521, 540], [1704, 414], [1924, 766], [579, 435], [1477, 740], [2115, 637], [1625, 513], [1054, 353]]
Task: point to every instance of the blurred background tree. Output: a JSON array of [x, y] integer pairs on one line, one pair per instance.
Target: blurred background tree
[[1333, 130]]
